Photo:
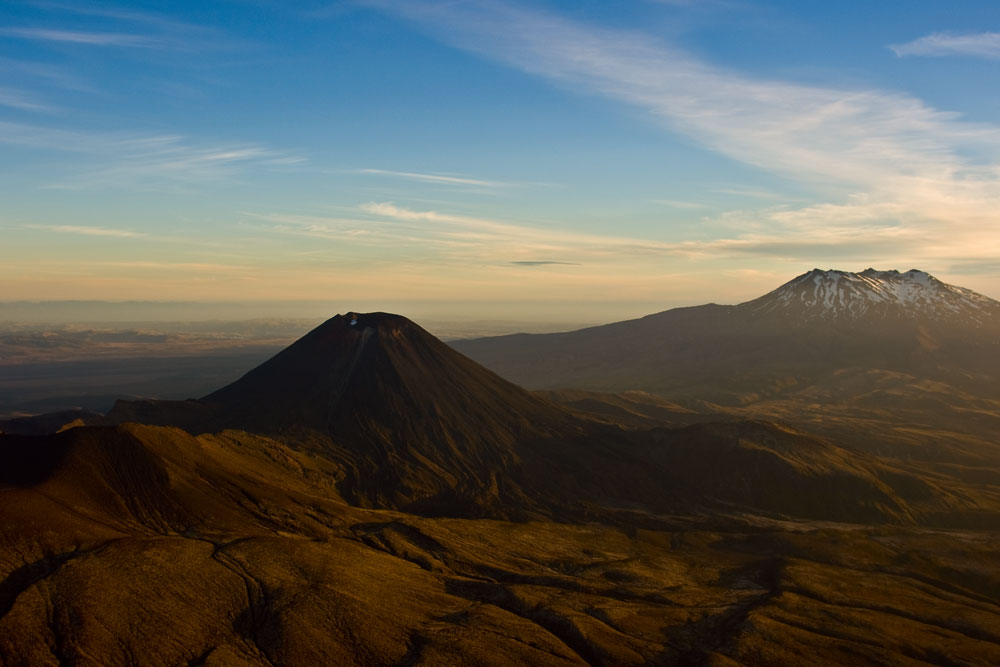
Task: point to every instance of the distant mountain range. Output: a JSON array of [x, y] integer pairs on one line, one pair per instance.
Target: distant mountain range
[[413, 425], [810, 334]]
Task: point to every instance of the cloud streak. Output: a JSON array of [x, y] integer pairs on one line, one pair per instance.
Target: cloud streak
[[395, 231], [49, 74], [123, 29], [890, 165], [979, 45], [141, 160], [77, 37], [545, 263], [834, 136], [437, 179], [88, 231], [489, 234], [17, 99]]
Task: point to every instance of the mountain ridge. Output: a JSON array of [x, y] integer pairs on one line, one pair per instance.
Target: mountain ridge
[[411, 424]]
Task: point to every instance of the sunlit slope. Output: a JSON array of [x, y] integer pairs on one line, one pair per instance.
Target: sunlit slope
[[136, 544]]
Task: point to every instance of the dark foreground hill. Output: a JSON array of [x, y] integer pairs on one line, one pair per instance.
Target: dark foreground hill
[[134, 544]]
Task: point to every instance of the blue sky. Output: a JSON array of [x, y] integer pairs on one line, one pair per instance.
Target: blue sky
[[493, 158]]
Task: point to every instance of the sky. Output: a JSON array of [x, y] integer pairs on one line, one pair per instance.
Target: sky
[[556, 159]]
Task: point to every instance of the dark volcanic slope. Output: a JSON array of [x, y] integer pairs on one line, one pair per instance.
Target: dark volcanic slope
[[411, 422], [385, 367]]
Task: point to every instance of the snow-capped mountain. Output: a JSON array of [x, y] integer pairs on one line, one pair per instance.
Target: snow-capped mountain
[[873, 294], [802, 334]]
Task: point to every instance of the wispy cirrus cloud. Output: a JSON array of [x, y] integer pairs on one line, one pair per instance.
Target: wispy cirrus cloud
[[438, 179], [121, 28], [114, 13], [58, 77], [88, 231], [678, 203], [888, 164], [855, 232], [211, 267], [21, 100], [979, 45], [109, 159], [747, 192], [834, 136], [432, 252], [196, 243], [545, 262], [469, 240], [79, 37]]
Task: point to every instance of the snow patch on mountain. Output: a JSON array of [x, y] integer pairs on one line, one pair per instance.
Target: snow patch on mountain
[[833, 294]]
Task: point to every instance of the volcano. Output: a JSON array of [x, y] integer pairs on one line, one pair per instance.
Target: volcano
[[375, 371], [411, 422]]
